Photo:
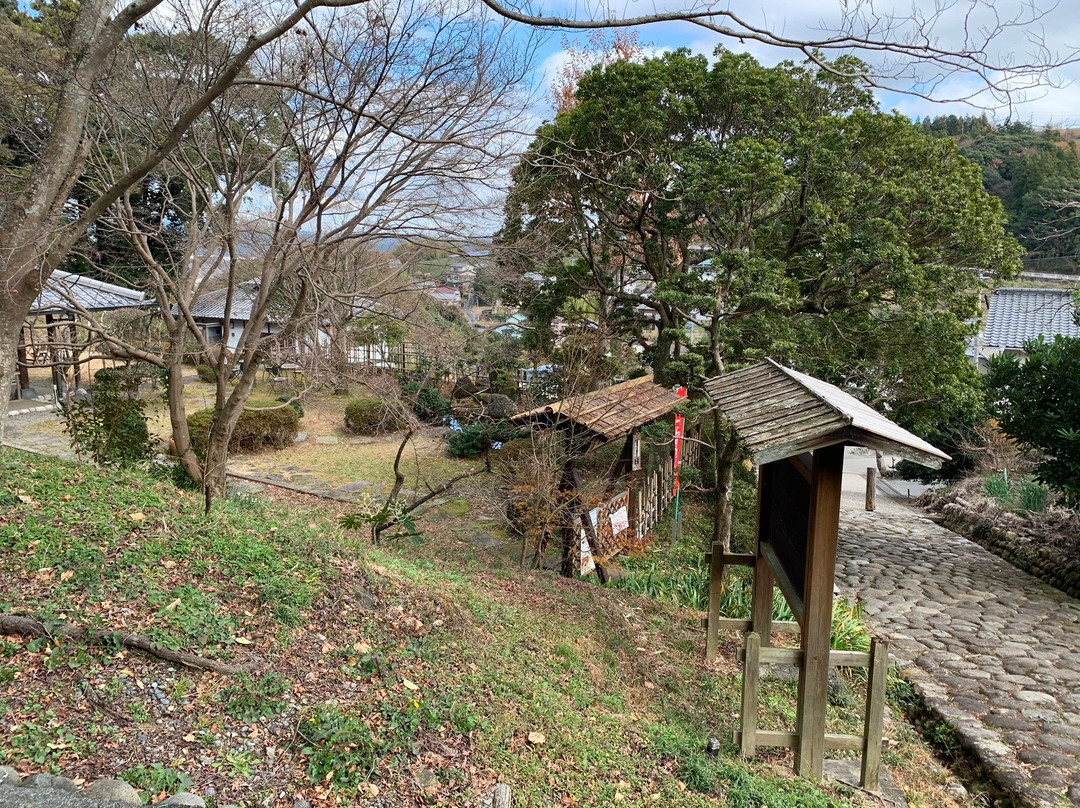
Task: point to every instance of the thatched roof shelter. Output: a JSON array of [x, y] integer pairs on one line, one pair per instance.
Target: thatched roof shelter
[[608, 414]]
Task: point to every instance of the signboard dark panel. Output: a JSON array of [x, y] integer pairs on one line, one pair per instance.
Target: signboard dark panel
[[785, 519]]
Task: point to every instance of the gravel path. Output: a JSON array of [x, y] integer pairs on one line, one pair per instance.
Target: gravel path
[[994, 651]]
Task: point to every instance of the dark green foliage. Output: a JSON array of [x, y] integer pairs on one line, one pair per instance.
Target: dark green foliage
[[255, 430], [428, 403], [111, 426], [206, 373], [1037, 404], [367, 415], [249, 699], [293, 402], [155, 779], [475, 439]]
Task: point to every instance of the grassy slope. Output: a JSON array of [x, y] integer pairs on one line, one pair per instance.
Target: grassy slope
[[417, 671]]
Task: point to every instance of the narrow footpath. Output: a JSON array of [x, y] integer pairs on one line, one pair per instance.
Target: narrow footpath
[[994, 651]]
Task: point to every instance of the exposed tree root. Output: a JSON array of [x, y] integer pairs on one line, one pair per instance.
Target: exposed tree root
[[32, 627]]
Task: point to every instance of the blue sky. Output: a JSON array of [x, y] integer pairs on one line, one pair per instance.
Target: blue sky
[[1058, 27]]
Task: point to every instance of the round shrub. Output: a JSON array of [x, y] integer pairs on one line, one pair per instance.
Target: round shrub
[[428, 403], [255, 430], [367, 415], [293, 402], [206, 373], [473, 440]]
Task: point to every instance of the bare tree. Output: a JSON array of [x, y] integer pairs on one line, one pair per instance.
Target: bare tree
[[341, 140], [37, 225]]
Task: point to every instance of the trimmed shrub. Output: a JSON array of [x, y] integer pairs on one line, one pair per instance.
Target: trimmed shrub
[[256, 430], [206, 373], [293, 402], [474, 439], [367, 415], [428, 403]]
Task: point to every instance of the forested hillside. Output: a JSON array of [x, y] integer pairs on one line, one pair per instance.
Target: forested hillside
[[1035, 173]]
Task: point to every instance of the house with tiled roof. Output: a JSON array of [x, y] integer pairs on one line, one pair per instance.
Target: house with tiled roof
[[1015, 316], [208, 311]]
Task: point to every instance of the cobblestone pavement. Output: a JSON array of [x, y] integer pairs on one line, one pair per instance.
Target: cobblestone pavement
[[994, 651]]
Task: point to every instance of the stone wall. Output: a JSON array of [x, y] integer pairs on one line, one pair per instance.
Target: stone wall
[[1013, 538]]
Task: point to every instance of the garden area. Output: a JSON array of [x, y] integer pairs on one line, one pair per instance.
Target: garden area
[[419, 672]]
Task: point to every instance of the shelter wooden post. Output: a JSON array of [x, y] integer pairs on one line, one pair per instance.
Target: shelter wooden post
[[875, 714], [24, 370], [824, 526], [751, 686], [761, 602], [716, 587], [871, 488]]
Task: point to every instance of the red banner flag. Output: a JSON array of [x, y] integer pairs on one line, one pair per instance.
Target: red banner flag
[[679, 426]]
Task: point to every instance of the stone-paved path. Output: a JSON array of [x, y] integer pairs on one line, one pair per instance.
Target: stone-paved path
[[38, 432], [994, 651]]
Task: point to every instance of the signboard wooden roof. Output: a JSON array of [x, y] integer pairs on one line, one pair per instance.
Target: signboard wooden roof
[[779, 412], [611, 413]]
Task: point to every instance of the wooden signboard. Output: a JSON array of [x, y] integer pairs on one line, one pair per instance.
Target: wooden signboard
[[785, 519]]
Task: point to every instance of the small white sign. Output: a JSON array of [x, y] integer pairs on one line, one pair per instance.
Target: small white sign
[[587, 563], [619, 521]]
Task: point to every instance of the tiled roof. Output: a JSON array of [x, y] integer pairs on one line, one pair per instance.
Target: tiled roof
[[779, 412], [87, 293], [211, 306], [1015, 316]]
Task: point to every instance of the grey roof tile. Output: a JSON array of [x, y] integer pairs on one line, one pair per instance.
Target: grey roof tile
[[1015, 316]]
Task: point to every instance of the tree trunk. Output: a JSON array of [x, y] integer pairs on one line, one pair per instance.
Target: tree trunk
[[189, 462], [727, 445], [15, 304]]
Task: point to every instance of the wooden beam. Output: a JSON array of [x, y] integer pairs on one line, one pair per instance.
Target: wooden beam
[[875, 715], [794, 656], [789, 740], [743, 626], [732, 559], [824, 526], [751, 685], [871, 488], [791, 595]]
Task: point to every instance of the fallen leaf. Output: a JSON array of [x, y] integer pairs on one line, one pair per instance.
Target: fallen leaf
[[410, 685], [327, 648], [168, 564], [67, 575], [537, 738], [26, 500], [361, 647], [137, 517], [190, 738], [242, 641], [174, 604]]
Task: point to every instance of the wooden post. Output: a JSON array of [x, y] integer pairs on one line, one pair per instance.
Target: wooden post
[[824, 523], [716, 587], [751, 684], [761, 605], [24, 371], [871, 488], [761, 602], [875, 714]]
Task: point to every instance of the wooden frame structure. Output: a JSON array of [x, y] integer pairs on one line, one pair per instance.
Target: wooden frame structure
[[60, 302], [592, 420], [796, 428]]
